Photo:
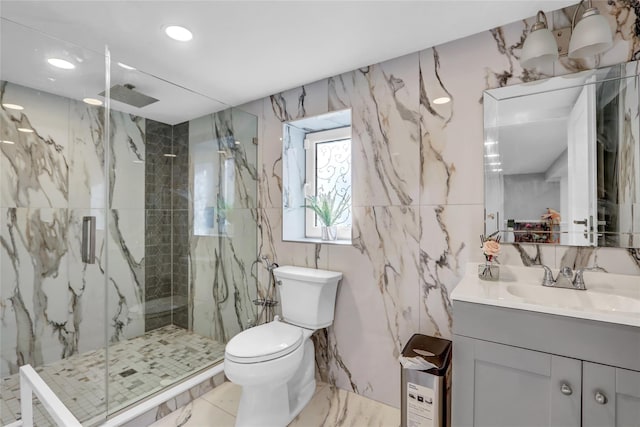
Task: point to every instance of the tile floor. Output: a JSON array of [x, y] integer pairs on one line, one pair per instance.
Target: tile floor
[[329, 407], [137, 368]]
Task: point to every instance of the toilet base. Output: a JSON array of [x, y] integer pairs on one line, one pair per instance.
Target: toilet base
[[277, 405]]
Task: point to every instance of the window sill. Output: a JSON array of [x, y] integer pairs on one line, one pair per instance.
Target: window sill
[[339, 242]]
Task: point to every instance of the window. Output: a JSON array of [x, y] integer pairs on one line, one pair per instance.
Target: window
[[328, 172]]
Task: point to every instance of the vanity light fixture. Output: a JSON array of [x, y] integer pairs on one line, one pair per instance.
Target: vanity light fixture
[[92, 101], [178, 33], [540, 46], [13, 106], [590, 36], [25, 130], [61, 63]]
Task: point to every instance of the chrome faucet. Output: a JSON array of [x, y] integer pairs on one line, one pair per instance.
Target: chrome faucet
[[565, 278]]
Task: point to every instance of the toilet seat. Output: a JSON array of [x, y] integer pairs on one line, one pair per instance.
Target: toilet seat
[[265, 342]]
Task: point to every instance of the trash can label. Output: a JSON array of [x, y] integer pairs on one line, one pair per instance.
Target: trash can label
[[420, 406]]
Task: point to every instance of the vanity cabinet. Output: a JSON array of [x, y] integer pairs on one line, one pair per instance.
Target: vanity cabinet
[[610, 396], [520, 368], [499, 385]]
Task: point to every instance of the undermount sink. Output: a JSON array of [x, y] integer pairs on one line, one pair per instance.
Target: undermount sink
[[575, 299]]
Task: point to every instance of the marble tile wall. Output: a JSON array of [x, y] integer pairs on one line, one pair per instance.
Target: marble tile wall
[[417, 192], [223, 223], [53, 305]]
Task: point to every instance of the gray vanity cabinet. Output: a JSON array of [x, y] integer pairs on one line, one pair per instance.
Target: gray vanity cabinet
[[510, 386], [610, 396], [522, 368]]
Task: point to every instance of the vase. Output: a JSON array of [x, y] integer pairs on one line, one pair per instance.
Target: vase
[[329, 232], [489, 271]]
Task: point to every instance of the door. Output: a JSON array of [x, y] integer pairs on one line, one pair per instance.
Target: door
[[581, 140], [498, 385], [610, 396]]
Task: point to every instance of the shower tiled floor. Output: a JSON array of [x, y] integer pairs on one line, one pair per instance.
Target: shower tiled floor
[[137, 367]]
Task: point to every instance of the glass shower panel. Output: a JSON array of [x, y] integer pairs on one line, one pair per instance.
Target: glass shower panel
[[52, 229], [163, 190]]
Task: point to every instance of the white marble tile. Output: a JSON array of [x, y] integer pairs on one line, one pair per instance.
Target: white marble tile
[[522, 254], [377, 307], [127, 150], [86, 156], [449, 240], [385, 130], [34, 288], [226, 397], [86, 283], [223, 276], [34, 169], [125, 290], [199, 413], [611, 260], [332, 407]]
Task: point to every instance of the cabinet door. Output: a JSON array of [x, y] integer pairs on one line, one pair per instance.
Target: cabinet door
[[498, 385], [610, 396]]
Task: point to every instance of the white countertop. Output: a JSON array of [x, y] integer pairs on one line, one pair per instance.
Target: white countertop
[[613, 298]]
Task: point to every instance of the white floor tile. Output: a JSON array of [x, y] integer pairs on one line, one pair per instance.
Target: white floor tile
[[226, 397], [198, 413]]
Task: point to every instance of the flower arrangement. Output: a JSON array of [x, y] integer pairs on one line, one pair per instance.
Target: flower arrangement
[[491, 249]]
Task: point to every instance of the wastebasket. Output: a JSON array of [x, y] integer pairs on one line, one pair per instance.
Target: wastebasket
[[426, 398]]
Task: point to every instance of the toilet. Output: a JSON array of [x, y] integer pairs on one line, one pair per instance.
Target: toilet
[[275, 362]]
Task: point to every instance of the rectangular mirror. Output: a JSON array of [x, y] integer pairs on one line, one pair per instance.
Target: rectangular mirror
[[562, 159], [316, 179]]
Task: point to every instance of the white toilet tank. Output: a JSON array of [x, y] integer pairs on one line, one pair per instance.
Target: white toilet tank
[[308, 296]]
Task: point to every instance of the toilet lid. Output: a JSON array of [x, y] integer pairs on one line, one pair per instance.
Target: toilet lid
[[264, 342]]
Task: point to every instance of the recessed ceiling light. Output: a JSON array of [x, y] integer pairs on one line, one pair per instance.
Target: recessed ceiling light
[[61, 63], [13, 106], [178, 33], [25, 130], [92, 101], [7, 142], [442, 100], [125, 66]]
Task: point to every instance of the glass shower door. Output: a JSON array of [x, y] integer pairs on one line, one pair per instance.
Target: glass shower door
[[52, 229]]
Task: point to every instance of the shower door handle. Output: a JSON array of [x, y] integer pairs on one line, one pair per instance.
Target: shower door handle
[[88, 249]]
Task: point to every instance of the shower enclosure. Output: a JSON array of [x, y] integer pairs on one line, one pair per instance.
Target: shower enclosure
[[128, 232]]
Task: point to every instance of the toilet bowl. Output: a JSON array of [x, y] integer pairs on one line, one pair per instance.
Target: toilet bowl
[[274, 362], [270, 397]]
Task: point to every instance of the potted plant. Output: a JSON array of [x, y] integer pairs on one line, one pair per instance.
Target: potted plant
[[329, 207]]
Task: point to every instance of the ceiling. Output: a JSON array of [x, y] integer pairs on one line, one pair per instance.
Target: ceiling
[[241, 50]]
